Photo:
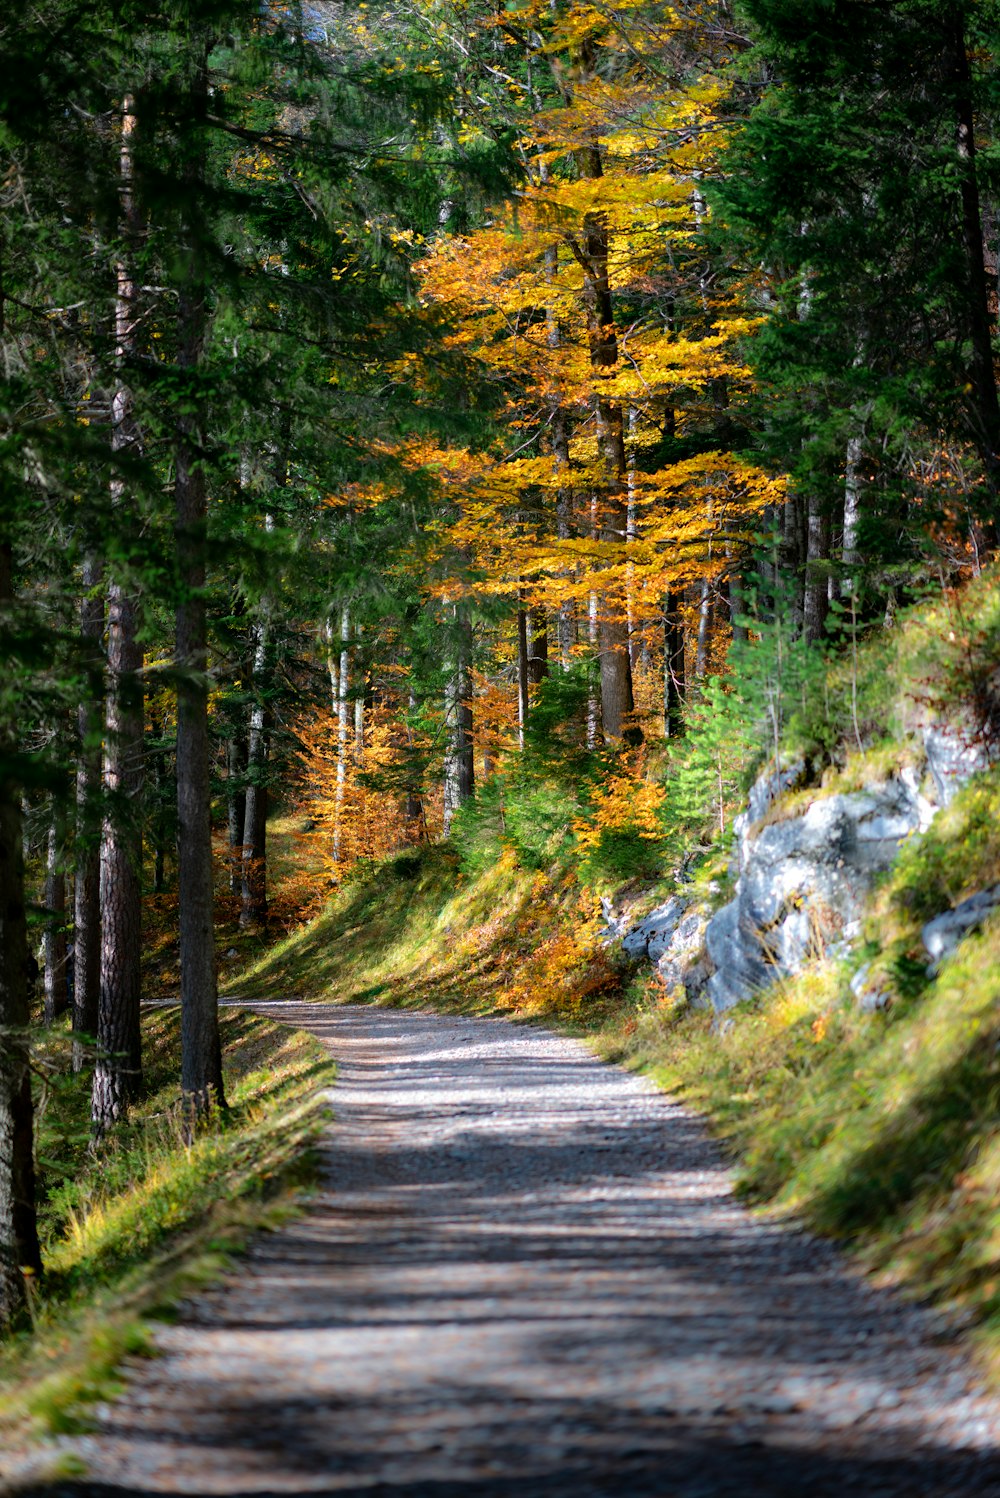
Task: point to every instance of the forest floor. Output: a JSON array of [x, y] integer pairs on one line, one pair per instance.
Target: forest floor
[[527, 1274]]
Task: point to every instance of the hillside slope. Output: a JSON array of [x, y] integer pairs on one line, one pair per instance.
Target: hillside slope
[[877, 1121]]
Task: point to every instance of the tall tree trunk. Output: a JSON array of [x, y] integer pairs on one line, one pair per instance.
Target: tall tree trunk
[[118, 1070], [253, 909], [343, 725], [816, 593], [18, 1231], [564, 530], [673, 666], [850, 555], [237, 749], [704, 628], [162, 795], [792, 558], [982, 369], [522, 676], [538, 652], [617, 702], [416, 822], [459, 767], [56, 957], [87, 911], [201, 1051]]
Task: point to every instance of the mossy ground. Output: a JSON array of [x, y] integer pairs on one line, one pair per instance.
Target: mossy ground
[[145, 1217]]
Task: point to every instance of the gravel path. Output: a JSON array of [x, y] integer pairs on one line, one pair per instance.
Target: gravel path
[[527, 1275]]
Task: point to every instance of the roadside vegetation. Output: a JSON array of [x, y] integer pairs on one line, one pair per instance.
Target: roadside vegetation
[[129, 1227], [880, 1129]]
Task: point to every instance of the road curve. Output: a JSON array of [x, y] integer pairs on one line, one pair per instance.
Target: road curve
[[527, 1275]]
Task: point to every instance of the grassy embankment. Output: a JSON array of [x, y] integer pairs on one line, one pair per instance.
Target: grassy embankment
[[881, 1129], [129, 1228]]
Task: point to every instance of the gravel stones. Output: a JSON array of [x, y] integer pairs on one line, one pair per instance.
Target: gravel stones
[[527, 1274]]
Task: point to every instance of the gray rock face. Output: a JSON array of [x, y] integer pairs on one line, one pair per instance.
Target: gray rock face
[[614, 926], [803, 882], [763, 793], [943, 934], [652, 936], [954, 755], [803, 886], [684, 964]]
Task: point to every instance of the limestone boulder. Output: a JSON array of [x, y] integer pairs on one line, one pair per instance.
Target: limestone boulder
[[942, 935]]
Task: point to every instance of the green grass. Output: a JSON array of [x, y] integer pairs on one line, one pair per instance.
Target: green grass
[[131, 1226]]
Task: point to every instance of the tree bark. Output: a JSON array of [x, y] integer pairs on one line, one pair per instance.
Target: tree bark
[[538, 652], [522, 676], [118, 1069], [617, 703], [253, 909], [704, 628], [459, 766], [982, 369], [19, 1248], [201, 1051], [816, 593], [343, 726], [56, 956], [87, 912], [564, 530], [236, 804], [673, 667]]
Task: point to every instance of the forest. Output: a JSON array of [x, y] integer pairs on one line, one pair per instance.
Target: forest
[[489, 433]]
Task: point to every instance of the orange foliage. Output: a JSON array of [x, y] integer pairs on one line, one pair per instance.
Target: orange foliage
[[353, 816]]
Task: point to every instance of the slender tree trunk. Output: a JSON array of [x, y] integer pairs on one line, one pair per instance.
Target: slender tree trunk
[[343, 722], [850, 555], [416, 822], [982, 369], [118, 1071], [522, 676], [87, 912], [56, 957], [538, 653], [673, 667], [704, 628], [237, 750], [201, 1051], [18, 1231], [162, 794], [566, 625], [459, 767], [617, 702], [816, 598], [253, 909], [792, 558], [593, 640]]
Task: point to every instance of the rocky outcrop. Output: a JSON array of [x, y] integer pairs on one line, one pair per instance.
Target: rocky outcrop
[[942, 935], [803, 880], [652, 937], [684, 966], [803, 886], [954, 755]]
